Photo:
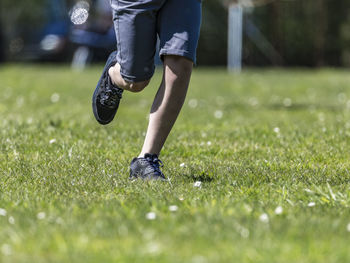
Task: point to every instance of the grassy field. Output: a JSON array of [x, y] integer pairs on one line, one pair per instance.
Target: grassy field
[[270, 148]]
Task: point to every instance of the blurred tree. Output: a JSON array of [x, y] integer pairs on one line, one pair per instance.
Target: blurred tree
[[19, 18], [212, 48], [321, 15], [22, 12], [345, 40], [305, 33], [276, 36], [337, 38], [2, 41]]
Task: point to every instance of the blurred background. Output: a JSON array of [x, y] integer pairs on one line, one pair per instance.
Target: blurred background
[[311, 33]]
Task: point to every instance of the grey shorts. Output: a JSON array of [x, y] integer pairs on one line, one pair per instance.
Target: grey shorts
[[138, 23]]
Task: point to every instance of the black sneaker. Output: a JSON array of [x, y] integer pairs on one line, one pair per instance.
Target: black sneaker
[[106, 98], [146, 168]]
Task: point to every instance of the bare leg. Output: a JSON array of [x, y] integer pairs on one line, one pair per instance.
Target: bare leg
[[167, 102], [117, 79]]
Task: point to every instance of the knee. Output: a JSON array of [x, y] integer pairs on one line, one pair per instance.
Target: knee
[[138, 86], [135, 86]]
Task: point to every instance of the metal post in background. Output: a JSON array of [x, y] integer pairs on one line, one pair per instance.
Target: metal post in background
[[235, 29]]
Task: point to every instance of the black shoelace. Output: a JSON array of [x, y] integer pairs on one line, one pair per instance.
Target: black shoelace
[[155, 163], [110, 95]]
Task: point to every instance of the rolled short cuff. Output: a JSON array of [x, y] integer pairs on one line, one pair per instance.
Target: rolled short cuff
[[136, 78]]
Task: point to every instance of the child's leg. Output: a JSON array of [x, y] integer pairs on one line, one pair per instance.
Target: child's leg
[[178, 28], [167, 102]]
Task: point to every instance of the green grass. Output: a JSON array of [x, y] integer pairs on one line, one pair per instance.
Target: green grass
[[282, 140]]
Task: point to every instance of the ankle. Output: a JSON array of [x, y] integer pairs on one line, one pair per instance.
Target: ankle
[[142, 154], [112, 75]]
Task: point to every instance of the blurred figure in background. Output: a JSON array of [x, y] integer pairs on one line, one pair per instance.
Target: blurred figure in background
[[92, 32]]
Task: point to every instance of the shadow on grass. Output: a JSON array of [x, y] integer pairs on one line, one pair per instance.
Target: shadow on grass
[[304, 106], [292, 107], [203, 177]]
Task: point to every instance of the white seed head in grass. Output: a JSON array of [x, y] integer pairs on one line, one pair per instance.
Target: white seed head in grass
[[253, 101], [276, 130], [11, 220], [218, 114], [348, 227], [55, 97], [182, 164], [70, 152], [197, 184], [7, 93], [341, 97], [41, 215], [29, 120], [20, 101], [83, 239], [278, 210], [208, 143], [248, 208], [311, 204], [173, 208], [52, 141], [321, 117], [193, 103], [153, 248], [15, 153], [264, 218], [199, 259], [151, 216], [6, 249], [59, 221], [287, 102], [3, 212], [244, 232]]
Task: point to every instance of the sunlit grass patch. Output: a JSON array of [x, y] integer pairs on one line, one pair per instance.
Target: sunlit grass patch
[[258, 165]]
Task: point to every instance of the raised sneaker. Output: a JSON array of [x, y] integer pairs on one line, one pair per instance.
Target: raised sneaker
[[106, 98]]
